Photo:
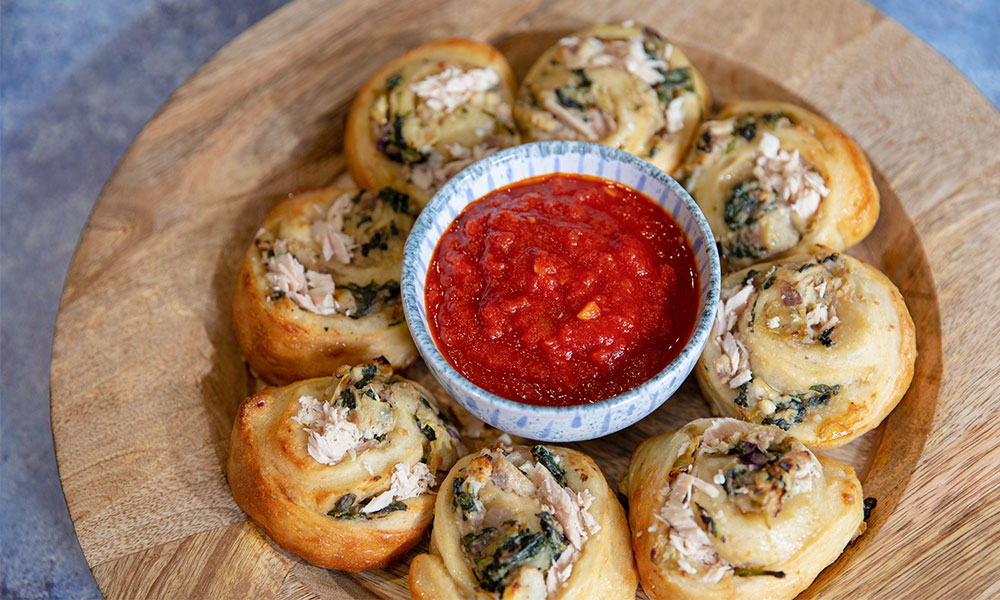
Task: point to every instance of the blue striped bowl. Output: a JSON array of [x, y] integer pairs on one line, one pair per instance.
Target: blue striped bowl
[[562, 423]]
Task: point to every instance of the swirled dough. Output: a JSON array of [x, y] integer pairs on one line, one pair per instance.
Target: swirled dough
[[819, 344], [428, 114], [319, 286], [526, 523], [773, 178], [342, 470], [724, 509], [621, 85]]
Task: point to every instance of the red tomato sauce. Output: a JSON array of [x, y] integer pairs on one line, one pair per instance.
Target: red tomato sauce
[[562, 289]]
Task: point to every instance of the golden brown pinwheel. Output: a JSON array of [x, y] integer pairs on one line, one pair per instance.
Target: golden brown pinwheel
[[342, 470], [428, 114], [319, 286], [621, 85], [773, 178], [526, 523], [724, 509], [819, 344]]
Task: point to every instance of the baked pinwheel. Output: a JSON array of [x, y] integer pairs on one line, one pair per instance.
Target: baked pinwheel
[[428, 114], [773, 178], [819, 344], [724, 509], [526, 523], [319, 286], [342, 470], [621, 85]]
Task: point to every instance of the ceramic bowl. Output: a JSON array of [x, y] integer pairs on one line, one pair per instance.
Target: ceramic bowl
[[558, 423]]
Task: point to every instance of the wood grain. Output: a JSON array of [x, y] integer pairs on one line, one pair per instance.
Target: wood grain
[[146, 374]]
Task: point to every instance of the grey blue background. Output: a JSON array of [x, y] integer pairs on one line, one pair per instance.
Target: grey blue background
[[78, 79]]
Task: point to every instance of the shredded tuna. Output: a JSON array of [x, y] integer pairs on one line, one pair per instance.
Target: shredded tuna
[[821, 314], [453, 87], [561, 570], [508, 477], [797, 184], [675, 115], [628, 54], [694, 548], [436, 170], [567, 507], [329, 232], [570, 118], [733, 365], [407, 482], [311, 290], [718, 433], [331, 435]]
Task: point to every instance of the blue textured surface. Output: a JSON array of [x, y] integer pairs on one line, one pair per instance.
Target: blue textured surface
[[78, 81], [551, 423]]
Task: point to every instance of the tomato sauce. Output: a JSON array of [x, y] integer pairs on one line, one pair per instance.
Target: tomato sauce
[[562, 289]]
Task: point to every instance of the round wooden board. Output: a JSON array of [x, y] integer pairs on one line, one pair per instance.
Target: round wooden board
[[147, 376]]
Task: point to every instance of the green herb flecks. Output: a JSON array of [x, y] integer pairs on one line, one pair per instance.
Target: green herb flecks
[[707, 520], [392, 82], [741, 398], [824, 338], [399, 201]]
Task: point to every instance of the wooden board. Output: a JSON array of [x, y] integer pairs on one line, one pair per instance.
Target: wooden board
[[146, 374]]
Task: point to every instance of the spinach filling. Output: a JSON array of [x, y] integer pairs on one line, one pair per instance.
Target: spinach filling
[[369, 297], [742, 204], [794, 409], [463, 499], [394, 146], [497, 552], [576, 95], [348, 508], [675, 81], [365, 375], [742, 572], [545, 458], [398, 201]]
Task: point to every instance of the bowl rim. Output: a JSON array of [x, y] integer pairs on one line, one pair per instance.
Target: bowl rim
[[424, 339]]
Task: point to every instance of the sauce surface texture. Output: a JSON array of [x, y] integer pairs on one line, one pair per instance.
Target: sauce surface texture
[[562, 289]]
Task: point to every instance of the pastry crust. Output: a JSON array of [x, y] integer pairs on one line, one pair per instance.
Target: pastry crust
[[429, 143], [622, 85], [277, 480], [764, 517], [503, 489], [820, 344], [734, 182], [285, 339]]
